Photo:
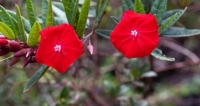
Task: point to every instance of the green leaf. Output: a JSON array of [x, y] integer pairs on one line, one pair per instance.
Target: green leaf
[[49, 18], [44, 12], [59, 5], [7, 31], [58, 21], [115, 19], [26, 23], [147, 5], [64, 93], [157, 53], [22, 35], [124, 6], [104, 33], [158, 9], [31, 12], [170, 13], [34, 36], [170, 21], [35, 77], [73, 12], [83, 18], [59, 13], [138, 7], [100, 13], [180, 32], [7, 19], [67, 7], [129, 4]]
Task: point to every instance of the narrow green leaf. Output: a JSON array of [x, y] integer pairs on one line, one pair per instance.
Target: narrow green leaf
[[104, 33], [157, 53], [98, 6], [73, 12], [180, 32], [22, 35], [44, 12], [124, 5], [129, 4], [147, 5], [26, 23], [35, 77], [138, 7], [7, 31], [115, 19], [170, 13], [59, 5], [158, 9], [67, 7], [34, 36], [49, 18], [83, 18], [58, 21], [170, 21], [64, 93], [31, 12], [7, 19], [101, 11], [59, 13]]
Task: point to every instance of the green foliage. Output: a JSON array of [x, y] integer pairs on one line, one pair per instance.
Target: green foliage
[[73, 12], [25, 22], [158, 9], [115, 19], [124, 5], [50, 16], [100, 13], [22, 35], [44, 12], [83, 18], [35, 77], [7, 31], [64, 93], [31, 12], [104, 33], [138, 7], [129, 4], [157, 53], [34, 36], [67, 7], [7, 19], [180, 32]]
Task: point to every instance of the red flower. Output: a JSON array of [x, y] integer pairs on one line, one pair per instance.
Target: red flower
[[59, 47], [136, 35]]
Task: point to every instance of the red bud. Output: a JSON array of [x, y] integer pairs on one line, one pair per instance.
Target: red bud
[[15, 46], [90, 48], [4, 51], [20, 53], [14, 61], [31, 52], [3, 42], [26, 61]]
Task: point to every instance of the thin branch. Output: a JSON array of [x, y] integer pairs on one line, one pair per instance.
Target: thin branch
[[181, 50]]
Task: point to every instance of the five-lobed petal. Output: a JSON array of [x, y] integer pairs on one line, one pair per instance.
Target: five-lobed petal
[[59, 47], [136, 35]]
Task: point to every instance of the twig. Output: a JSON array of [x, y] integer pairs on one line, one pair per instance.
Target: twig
[[180, 49], [177, 65]]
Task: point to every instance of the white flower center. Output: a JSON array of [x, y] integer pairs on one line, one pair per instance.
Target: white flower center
[[57, 48], [134, 32]]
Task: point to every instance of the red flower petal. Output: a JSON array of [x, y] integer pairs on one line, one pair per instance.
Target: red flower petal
[[59, 47], [136, 35]]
